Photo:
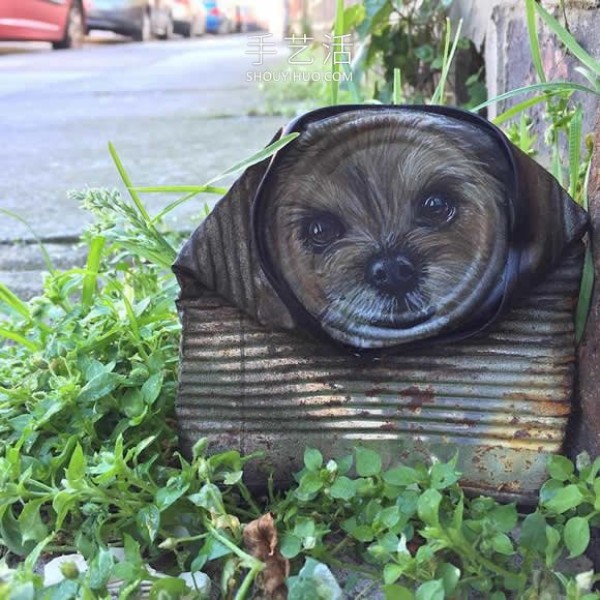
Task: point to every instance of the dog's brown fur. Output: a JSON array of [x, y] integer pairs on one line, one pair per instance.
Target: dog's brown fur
[[371, 172]]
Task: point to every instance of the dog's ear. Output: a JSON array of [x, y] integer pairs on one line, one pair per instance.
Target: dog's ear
[[220, 256], [547, 220]]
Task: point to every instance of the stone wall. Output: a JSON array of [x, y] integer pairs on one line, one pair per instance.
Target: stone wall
[[508, 57]]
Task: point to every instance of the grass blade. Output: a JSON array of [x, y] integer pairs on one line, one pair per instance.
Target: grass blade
[[255, 158], [514, 110], [181, 189], [592, 77], [354, 89], [338, 32], [534, 42], [439, 94], [125, 177], [556, 166], [45, 255], [93, 266], [397, 87], [568, 40], [13, 302], [585, 295], [18, 338], [554, 87], [208, 188], [158, 237], [575, 136]]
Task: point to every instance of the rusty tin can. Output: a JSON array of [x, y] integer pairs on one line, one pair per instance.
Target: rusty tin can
[[252, 378]]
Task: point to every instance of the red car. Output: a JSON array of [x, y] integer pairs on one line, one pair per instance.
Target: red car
[[61, 22]]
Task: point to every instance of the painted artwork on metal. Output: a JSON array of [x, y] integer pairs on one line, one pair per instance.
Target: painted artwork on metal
[[403, 276]]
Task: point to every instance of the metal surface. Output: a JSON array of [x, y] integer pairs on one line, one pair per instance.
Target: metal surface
[[502, 400]]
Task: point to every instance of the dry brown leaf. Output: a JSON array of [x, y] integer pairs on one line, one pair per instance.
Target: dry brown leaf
[[260, 539]]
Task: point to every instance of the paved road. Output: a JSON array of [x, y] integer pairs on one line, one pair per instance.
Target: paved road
[[177, 112]]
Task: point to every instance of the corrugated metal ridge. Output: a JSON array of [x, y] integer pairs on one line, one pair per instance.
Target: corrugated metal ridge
[[505, 397]]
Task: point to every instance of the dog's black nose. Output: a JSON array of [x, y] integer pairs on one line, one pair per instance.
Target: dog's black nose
[[392, 273]]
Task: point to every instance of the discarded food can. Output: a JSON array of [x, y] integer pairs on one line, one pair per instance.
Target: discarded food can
[[398, 277]]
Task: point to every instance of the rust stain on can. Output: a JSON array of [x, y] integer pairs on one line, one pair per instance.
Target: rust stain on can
[[502, 400]]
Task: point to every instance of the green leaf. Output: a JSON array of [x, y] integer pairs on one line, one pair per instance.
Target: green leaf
[[431, 590], [233, 477], [501, 543], [169, 494], [368, 462], [305, 527], [504, 517], [10, 533], [62, 503], [353, 16], [343, 488], [565, 499], [443, 475], [152, 387], [209, 497], [401, 476], [30, 522], [425, 52], [560, 467], [313, 459], [100, 569], [552, 551], [428, 507], [77, 464], [148, 520], [168, 588], [310, 483], [99, 386], [290, 545], [577, 536], [392, 572], [450, 576], [397, 592], [549, 489], [533, 532]]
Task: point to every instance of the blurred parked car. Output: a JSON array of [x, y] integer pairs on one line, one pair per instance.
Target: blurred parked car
[[189, 17], [139, 19], [62, 23], [247, 17], [221, 16]]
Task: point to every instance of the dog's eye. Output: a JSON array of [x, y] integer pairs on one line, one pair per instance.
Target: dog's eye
[[321, 230], [436, 210]]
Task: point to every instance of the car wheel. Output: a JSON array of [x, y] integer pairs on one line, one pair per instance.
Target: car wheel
[[144, 32], [74, 29]]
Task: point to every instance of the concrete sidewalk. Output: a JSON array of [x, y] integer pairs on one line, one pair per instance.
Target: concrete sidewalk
[[176, 111]]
